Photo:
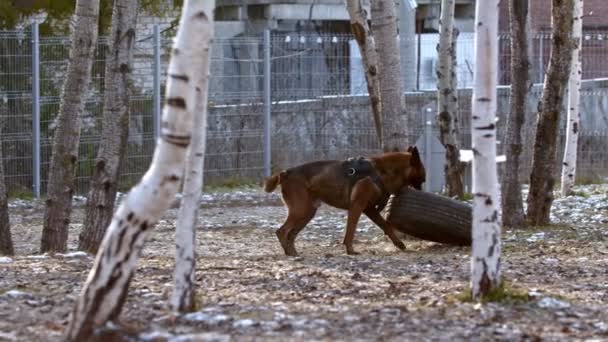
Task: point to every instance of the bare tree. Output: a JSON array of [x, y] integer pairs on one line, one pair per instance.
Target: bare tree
[[394, 118], [574, 103], [67, 134], [115, 126], [6, 242], [183, 299], [542, 177], [485, 256], [367, 46], [512, 206], [447, 100], [106, 287]]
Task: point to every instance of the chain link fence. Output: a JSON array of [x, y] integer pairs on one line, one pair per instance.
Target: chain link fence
[[319, 107]]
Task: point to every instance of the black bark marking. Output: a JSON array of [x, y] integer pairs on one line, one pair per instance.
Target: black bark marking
[[489, 135], [488, 127], [201, 15], [130, 216], [575, 127], [178, 140], [144, 226], [359, 33], [121, 237], [169, 179], [198, 154], [484, 99], [565, 163], [184, 78], [178, 102]]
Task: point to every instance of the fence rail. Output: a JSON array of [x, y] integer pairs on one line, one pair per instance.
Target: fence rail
[[274, 101]]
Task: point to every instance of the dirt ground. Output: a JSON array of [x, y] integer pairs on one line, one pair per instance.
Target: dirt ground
[[248, 290]]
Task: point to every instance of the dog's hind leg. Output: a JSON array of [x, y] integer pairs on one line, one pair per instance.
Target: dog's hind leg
[[297, 228], [301, 209], [375, 216]]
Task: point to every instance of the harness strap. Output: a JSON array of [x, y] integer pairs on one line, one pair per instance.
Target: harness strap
[[359, 168]]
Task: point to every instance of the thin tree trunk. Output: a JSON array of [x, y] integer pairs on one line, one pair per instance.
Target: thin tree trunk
[[447, 100], [67, 134], [369, 56], [103, 293], [115, 126], [485, 258], [6, 242], [512, 206], [542, 177], [574, 94], [394, 118], [184, 291]]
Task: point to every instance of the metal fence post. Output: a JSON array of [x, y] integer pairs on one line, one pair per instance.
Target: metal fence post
[[267, 105], [428, 153], [156, 114], [35, 111], [541, 62]]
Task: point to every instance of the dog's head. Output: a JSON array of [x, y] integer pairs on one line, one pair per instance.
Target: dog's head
[[400, 169], [417, 172]]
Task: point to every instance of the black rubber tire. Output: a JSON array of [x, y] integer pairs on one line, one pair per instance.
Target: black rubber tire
[[431, 217]]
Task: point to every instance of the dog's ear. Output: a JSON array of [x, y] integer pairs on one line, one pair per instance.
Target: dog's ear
[[410, 148], [416, 161]]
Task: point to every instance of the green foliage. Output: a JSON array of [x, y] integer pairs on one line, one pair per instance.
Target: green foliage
[[504, 294], [59, 12]]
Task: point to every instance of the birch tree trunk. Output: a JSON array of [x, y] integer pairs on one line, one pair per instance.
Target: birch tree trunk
[[447, 100], [485, 259], [105, 290], [184, 291], [367, 46], [512, 206], [115, 126], [67, 134], [6, 242], [542, 177], [394, 118], [574, 94]]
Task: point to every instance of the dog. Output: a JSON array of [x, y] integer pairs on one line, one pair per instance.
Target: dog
[[358, 185]]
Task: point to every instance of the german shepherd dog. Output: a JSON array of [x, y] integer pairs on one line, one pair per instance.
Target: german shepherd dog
[[357, 185]]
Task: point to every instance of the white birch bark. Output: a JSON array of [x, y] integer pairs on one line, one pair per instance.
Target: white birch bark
[[395, 133], [485, 259], [447, 99], [105, 289], [367, 46], [574, 91], [115, 126], [184, 291]]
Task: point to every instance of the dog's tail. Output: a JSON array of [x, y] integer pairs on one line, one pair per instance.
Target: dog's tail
[[273, 181]]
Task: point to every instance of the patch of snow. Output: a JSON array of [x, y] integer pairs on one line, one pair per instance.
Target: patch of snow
[[77, 254], [243, 323], [155, 336], [5, 260], [204, 337], [536, 237], [207, 318], [43, 256], [16, 294], [552, 303], [8, 336], [551, 262]]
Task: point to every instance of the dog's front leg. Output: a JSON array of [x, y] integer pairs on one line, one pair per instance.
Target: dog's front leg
[[354, 213], [375, 216], [363, 194]]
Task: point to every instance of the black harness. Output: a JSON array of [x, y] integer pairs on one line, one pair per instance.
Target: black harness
[[356, 169]]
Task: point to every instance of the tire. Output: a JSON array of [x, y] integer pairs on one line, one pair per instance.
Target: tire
[[431, 217]]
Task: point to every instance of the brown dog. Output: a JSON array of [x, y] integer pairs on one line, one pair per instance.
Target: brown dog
[[357, 185]]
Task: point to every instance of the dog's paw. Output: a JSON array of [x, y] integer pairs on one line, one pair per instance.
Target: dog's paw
[[400, 245], [352, 252]]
